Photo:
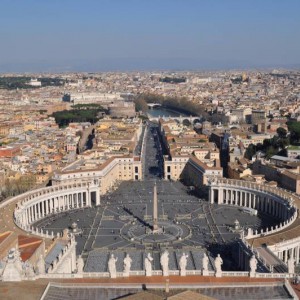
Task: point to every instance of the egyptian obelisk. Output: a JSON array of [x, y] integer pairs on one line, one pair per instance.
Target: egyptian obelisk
[[155, 225]]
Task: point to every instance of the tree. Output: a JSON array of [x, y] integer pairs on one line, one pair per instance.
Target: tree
[[83, 113], [172, 79], [294, 128], [141, 104], [250, 151], [13, 187], [270, 152], [281, 133]]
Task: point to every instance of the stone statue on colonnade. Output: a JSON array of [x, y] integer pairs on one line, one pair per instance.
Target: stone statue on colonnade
[[253, 266], [183, 263], [218, 265], [127, 265], [148, 265], [205, 262], [164, 262], [112, 266]]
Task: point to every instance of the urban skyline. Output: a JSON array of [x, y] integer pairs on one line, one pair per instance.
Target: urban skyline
[[95, 36]]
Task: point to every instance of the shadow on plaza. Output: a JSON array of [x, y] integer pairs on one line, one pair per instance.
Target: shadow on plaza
[[143, 222], [155, 171], [267, 221], [227, 251]]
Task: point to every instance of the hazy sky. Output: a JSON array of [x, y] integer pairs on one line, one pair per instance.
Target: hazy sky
[[97, 35]]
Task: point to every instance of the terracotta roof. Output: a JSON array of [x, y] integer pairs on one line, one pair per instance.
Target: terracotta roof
[[28, 245], [205, 166], [98, 168]]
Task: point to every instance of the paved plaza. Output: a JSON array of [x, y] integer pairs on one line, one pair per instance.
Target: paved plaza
[[124, 219], [130, 207]]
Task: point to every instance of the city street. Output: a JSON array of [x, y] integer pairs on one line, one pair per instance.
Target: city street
[[152, 156]]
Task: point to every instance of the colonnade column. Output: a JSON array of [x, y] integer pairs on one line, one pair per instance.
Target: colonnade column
[[88, 197], [42, 205], [30, 214], [52, 205], [249, 200], [98, 197], [297, 255], [220, 196], [211, 195], [27, 216], [35, 212], [285, 255], [23, 220]]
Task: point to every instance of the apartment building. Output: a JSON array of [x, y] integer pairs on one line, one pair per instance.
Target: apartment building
[[190, 157]]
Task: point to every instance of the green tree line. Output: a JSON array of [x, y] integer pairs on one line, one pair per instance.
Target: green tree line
[[79, 113], [274, 146], [172, 79], [181, 104], [14, 187], [294, 129], [21, 82]]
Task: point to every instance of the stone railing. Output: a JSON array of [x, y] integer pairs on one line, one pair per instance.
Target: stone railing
[[235, 274], [95, 275], [273, 229], [159, 273], [42, 233], [276, 191], [65, 262], [274, 275]]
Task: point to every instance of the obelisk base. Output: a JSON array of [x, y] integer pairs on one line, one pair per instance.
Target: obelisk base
[[156, 229]]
